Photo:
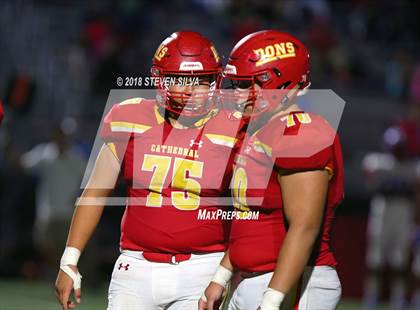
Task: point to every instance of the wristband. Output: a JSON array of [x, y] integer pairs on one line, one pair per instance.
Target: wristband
[[70, 256], [222, 276], [272, 299]]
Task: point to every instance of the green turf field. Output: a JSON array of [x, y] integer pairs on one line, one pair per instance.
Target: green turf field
[[19, 295]]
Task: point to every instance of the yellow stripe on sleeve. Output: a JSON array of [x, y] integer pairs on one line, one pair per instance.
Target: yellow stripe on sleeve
[[136, 100], [222, 140], [263, 148], [129, 127]]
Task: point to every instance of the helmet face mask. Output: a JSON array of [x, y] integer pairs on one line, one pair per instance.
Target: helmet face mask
[[188, 69], [193, 99], [248, 95], [267, 60], [240, 93]]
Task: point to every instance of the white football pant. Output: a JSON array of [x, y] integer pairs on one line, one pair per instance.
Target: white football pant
[[318, 289], [389, 229], [138, 284]]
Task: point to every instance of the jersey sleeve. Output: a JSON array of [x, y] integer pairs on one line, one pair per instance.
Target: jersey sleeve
[[106, 132], [129, 118], [126, 118], [112, 131], [302, 143]]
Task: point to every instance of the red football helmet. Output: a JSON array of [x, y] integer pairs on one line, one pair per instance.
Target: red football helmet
[[186, 54], [271, 59]]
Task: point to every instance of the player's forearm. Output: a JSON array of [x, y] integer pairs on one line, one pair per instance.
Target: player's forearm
[[225, 262], [304, 196], [93, 199], [86, 217], [293, 257], [224, 271]]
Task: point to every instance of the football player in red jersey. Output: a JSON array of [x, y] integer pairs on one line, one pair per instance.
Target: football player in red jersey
[[173, 153], [290, 170]]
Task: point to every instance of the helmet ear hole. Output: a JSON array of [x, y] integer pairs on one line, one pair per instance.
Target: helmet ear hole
[[155, 71], [262, 78]]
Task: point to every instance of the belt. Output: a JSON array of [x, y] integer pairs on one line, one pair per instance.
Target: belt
[[247, 275], [166, 257]]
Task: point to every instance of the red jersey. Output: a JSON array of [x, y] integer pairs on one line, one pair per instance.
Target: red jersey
[[411, 129], [298, 141], [1, 112], [172, 174]]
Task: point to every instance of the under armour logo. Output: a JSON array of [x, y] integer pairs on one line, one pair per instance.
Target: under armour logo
[[122, 266], [192, 142]]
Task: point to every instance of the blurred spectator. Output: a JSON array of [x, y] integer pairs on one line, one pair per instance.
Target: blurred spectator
[[391, 176], [339, 61], [415, 85], [105, 45], [397, 73], [322, 42], [99, 35], [357, 21], [320, 36], [59, 169], [410, 127], [17, 213], [319, 9]]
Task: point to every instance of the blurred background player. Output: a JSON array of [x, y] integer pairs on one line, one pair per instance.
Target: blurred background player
[[391, 176], [415, 298], [174, 154], [55, 196], [291, 161], [413, 134]]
